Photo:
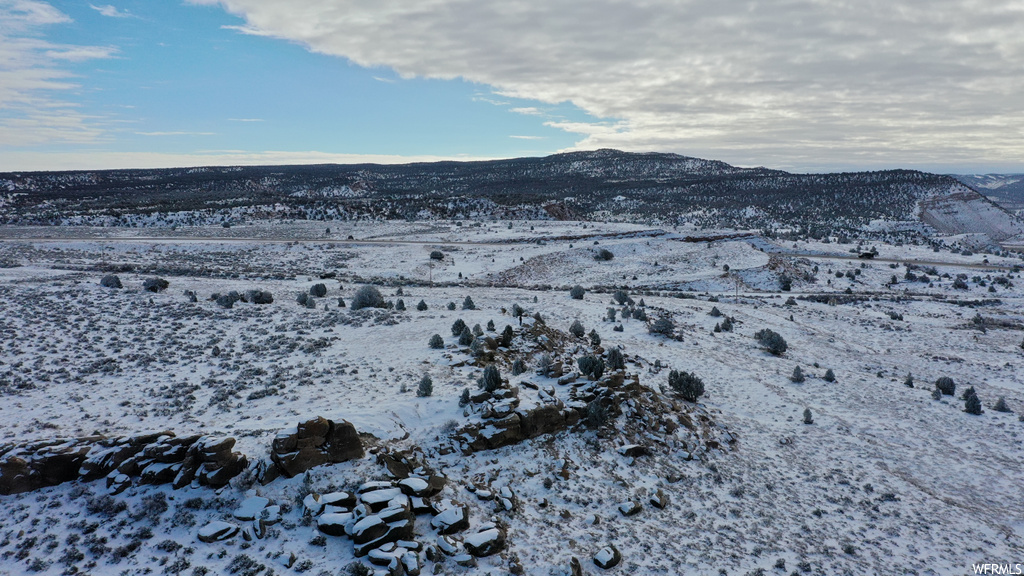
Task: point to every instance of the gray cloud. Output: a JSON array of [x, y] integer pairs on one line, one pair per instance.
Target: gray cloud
[[792, 83]]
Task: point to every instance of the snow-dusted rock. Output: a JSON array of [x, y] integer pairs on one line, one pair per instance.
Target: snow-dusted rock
[[486, 542], [312, 504], [659, 499], [630, 508], [452, 520], [250, 508], [607, 557], [217, 531], [335, 524]]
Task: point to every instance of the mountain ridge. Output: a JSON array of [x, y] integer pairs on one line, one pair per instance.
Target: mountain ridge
[[599, 184]]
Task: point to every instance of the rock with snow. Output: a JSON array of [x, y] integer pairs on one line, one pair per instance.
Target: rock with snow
[[312, 504], [217, 531], [659, 499], [607, 557], [411, 563], [335, 524], [313, 443], [452, 520], [448, 545], [630, 508], [485, 542], [250, 508], [633, 450], [338, 499]]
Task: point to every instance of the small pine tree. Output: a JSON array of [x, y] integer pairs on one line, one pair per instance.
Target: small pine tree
[[544, 365], [452, 306], [771, 341], [426, 387], [595, 338], [597, 414], [518, 367], [506, 336], [638, 314], [909, 381], [538, 319], [936, 394], [611, 314], [946, 385], [715, 312], [517, 310], [400, 305], [798, 375], [687, 385], [615, 359], [464, 397], [1001, 405], [577, 292], [457, 327], [468, 304], [829, 376], [718, 328], [368, 297], [466, 338], [808, 418], [341, 302], [968, 393], [576, 329], [972, 405], [491, 378], [591, 366], [477, 330], [421, 306], [436, 341], [727, 324], [621, 297], [663, 325], [490, 325]]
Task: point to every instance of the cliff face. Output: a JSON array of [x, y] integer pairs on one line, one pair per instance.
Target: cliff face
[[964, 211]]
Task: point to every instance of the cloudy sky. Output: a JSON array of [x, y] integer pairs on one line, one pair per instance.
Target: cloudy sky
[[803, 85]]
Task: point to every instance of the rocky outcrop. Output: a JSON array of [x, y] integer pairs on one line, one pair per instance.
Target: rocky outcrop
[[313, 443], [154, 458]]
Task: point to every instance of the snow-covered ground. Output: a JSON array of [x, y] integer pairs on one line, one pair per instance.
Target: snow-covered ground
[[885, 480]]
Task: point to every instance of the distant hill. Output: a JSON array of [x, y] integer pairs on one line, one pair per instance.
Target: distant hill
[[1007, 190], [602, 184]]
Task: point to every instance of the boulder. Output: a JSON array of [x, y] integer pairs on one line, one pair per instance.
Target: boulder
[[659, 500], [423, 487], [452, 520], [630, 508], [250, 508], [411, 563], [335, 524], [339, 499], [607, 557], [486, 542], [110, 281], [155, 284], [546, 419], [217, 531], [634, 450], [313, 443]]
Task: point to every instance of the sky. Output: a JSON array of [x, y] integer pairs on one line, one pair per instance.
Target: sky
[[800, 85]]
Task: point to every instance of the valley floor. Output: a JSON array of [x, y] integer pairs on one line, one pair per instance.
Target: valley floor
[[886, 480]]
